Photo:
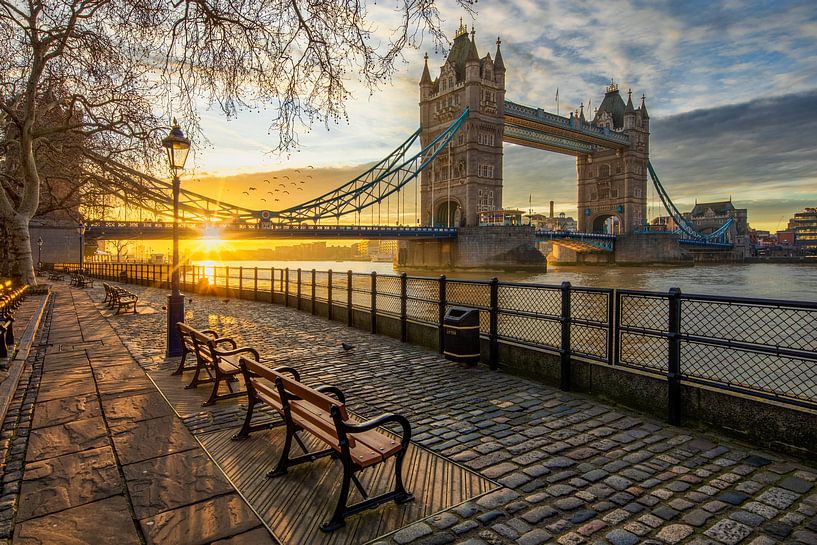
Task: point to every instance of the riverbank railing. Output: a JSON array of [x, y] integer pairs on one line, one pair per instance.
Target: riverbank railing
[[758, 347]]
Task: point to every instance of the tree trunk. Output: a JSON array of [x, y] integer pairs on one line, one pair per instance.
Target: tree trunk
[[21, 248]]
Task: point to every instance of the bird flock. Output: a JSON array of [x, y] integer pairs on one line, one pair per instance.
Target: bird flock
[[280, 186]]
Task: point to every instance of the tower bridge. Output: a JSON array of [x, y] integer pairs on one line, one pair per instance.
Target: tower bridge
[[457, 175]]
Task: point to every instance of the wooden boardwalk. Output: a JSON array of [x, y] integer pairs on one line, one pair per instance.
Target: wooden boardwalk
[[293, 506]]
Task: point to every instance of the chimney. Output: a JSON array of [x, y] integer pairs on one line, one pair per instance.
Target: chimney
[[551, 209]]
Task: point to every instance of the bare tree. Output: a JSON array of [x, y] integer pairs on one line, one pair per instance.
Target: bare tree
[[121, 247], [112, 68]]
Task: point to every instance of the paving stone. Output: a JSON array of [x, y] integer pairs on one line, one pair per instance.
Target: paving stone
[[505, 531], [806, 537], [622, 537], [104, 521], [778, 498], [466, 509], [539, 513], [412, 532], [591, 527], [762, 540], [571, 538], [568, 504], [617, 482], [765, 511], [164, 483], [138, 443], [497, 498], [674, 533], [67, 409], [259, 536], [537, 536], [728, 531], [747, 518], [68, 481], [697, 517], [582, 515], [490, 516], [122, 413], [464, 526], [666, 513], [795, 484], [733, 498], [76, 436], [778, 529]]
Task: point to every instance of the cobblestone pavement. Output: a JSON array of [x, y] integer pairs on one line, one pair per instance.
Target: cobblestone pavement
[[97, 456], [574, 470]]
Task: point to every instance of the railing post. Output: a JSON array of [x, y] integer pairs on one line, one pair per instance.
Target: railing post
[[373, 320], [349, 319], [403, 307], [329, 312], [299, 288], [226, 280], [286, 286], [616, 328], [272, 285], [255, 285], [241, 282], [674, 360], [313, 292], [564, 351], [493, 319], [441, 312]]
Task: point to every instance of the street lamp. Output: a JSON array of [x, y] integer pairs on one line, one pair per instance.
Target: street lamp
[[81, 231], [40, 253], [177, 147]]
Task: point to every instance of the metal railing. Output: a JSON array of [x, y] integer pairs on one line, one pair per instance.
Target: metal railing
[[760, 347]]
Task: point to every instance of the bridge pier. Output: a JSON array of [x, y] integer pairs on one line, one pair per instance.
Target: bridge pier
[[476, 248]]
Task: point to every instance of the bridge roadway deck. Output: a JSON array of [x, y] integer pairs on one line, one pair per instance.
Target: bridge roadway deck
[[572, 470]]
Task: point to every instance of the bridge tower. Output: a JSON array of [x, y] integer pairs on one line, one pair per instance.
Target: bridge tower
[[466, 178], [612, 184]]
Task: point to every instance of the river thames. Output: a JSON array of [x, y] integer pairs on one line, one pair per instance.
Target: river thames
[[765, 280]]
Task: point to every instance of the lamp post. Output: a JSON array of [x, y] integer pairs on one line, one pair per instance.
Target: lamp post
[[81, 231], [40, 253], [177, 147]]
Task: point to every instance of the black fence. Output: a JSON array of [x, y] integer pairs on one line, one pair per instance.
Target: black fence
[[759, 347]]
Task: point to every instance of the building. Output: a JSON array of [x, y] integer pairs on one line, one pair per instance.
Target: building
[[500, 217], [804, 227], [466, 179], [707, 217]]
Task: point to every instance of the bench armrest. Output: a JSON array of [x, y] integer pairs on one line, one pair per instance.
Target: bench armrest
[[227, 340], [241, 350], [211, 332], [289, 370], [380, 421], [332, 390]]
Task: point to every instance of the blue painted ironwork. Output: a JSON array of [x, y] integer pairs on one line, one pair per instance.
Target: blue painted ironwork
[[161, 229], [574, 125], [685, 228], [374, 186]]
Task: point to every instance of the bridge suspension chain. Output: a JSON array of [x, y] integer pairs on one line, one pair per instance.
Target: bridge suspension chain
[[684, 226]]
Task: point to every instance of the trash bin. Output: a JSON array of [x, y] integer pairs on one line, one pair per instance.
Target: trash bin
[[461, 335]]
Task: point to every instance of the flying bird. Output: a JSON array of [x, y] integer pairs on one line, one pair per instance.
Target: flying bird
[[263, 200], [267, 181], [346, 347], [276, 200], [298, 171], [309, 166], [245, 193], [287, 177], [300, 189], [282, 185], [252, 189], [287, 192], [308, 176]]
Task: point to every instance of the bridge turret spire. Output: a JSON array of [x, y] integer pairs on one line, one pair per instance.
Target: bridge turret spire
[[629, 112], [499, 64], [643, 108], [426, 77]]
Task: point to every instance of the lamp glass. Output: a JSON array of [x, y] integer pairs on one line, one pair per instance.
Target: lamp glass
[[177, 147]]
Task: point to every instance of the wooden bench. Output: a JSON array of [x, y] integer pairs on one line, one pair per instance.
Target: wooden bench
[[119, 298], [220, 366], [55, 275], [358, 445], [189, 346], [9, 303], [84, 281]]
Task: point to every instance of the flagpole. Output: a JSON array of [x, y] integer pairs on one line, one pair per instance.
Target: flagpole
[[557, 101]]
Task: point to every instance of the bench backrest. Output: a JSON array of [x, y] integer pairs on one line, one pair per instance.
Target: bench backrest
[[311, 408]]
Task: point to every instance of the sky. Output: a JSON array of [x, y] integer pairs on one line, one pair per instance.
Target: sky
[[731, 90]]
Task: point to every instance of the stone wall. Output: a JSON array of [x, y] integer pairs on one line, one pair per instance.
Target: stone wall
[[60, 245], [490, 248], [641, 248]]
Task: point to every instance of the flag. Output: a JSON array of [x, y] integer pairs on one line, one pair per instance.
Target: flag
[[557, 94]]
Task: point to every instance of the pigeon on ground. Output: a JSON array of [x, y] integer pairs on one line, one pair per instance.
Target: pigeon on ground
[[346, 347], [226, 301]]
